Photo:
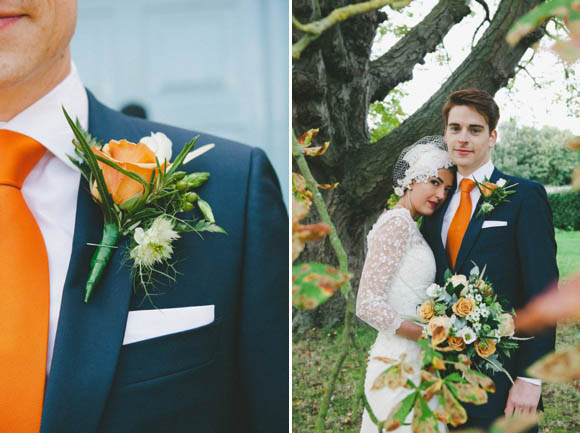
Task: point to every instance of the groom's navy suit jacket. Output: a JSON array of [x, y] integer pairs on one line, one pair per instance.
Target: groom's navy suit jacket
[[521, 262], [228, 376]]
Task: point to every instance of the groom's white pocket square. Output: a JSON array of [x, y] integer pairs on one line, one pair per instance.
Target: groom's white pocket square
[[147, 324], [487, 224]]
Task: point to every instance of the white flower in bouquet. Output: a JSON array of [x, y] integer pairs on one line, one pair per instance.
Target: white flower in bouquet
[[501, 182], [477, 327], [456, 280], [473, 317], [434, 290], [154, 244], [468, 335], [478, 297], [484, 311], [506, 326]]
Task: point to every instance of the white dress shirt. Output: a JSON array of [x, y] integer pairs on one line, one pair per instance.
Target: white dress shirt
[[479, 175], [51, 188]]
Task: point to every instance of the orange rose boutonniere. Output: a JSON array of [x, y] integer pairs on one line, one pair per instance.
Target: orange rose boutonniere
[[143, 196], [493, 194]]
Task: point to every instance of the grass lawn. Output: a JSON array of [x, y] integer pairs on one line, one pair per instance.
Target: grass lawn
[[314, 353]]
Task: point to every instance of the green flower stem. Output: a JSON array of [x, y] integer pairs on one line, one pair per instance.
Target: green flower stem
[[101, 257], [346, 289], [312, 185]]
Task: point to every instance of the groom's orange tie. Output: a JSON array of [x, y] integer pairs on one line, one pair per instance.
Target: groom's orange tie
[[460, 222], [24, 291]]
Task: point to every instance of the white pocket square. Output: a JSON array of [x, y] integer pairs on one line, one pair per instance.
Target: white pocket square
[[147, 324], [487, 224]]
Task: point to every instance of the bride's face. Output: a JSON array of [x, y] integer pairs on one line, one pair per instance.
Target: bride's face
[[426, 197]]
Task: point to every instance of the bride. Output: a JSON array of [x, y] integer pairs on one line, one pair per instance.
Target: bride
[[399, 267]]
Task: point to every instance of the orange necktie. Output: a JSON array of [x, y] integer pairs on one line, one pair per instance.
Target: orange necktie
[[460, 222], [24, 291]]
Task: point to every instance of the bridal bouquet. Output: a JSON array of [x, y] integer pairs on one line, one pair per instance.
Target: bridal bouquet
[[465, 315], [466, 326], [143, 196]]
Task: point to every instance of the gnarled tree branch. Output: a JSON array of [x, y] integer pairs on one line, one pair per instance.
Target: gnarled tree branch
[[396, 66]]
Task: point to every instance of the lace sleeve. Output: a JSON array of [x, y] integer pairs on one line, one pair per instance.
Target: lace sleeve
[[387, 246]]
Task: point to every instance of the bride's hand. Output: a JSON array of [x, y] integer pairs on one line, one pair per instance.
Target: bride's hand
[[410, 330]]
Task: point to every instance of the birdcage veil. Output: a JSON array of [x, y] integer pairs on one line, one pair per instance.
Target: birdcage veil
[[419, 162]]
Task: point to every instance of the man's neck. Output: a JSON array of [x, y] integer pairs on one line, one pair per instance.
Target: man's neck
[[466, 172], [15, 99]]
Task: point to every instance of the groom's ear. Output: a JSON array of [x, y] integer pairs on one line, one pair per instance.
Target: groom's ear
[[492, 138]]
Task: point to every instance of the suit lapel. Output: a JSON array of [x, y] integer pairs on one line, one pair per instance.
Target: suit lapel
[[89, 336], [474, 228], [439, 247]]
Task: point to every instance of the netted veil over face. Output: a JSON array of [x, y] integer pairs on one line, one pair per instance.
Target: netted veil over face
[[419, 162]]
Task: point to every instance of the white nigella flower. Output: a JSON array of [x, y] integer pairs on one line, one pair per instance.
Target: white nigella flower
[[477, 326], [487, 207], [484, 312], [154, 244], [467, 334], [434, 290], [501, 182], [478, 297]]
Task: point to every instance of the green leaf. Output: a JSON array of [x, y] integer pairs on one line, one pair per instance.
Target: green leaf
[[178, 161], [314, 283], [448, 274], [89, 157], [206, 226], [205, 209]]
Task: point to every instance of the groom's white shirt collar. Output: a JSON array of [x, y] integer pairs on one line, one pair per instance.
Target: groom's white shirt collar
[[45, 122], [482, 173], [51, 188]]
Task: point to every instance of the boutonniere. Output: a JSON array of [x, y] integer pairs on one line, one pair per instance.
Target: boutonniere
[[145, 197], [493, 194]]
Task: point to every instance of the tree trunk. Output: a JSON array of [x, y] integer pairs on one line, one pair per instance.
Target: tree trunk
[[333, 85]]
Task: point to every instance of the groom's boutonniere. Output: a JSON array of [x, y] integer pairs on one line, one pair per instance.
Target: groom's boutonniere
[[493, 194], [143, 196]]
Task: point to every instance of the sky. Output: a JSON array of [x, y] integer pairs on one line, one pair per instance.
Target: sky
[[525, 103]]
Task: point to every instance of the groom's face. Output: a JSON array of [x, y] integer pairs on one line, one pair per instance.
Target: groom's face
[[34, 40], [469, 139]]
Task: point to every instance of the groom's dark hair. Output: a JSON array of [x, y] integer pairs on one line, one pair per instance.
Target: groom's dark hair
[[479, 100]]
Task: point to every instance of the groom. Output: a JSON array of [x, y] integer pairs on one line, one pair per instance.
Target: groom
[[212, 354], [515, 241]]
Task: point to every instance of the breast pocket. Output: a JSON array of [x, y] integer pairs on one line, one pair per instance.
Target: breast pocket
[[163, 356]]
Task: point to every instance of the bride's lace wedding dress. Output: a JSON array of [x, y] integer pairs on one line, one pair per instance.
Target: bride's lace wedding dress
[[399, 267]]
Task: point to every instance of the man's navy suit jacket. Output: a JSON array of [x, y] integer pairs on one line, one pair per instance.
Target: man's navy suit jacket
[[521, 262], [228, 376]]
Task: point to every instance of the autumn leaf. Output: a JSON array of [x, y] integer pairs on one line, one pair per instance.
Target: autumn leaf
[[432, 390], [317, 150], [469, 393], [556, 303], [476, 378], [516, 423], [455, 410], [328, 185], [306, 139], [398, 414], [559, 367], [440, 334], [424, 420], [385, 359], [314, 283], [394, 377]]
